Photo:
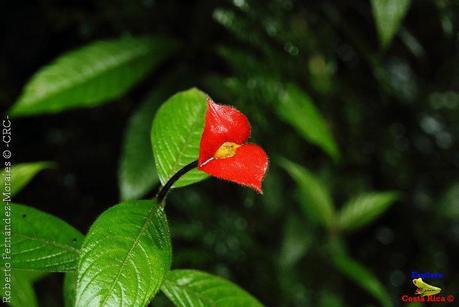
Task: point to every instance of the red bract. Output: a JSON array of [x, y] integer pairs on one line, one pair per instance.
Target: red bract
[[223, 151]]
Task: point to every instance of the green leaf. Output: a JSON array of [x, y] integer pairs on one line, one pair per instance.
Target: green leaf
[[297, 109], [388, 15], [363, 209], [40, 241], [314, 198], [360, 275], [190, 288], [22, 292], [69, 289], [91, 75], [20, 175], [125, 256], [137, 172], [176, 134]]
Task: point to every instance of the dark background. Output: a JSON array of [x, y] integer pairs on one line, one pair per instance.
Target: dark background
[[394, 115]]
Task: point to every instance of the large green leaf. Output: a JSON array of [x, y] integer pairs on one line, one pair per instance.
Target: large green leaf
[[91, 75], [176, 134], [314, 198], [137, 172], [125, 256], [388, 15], [40, 241], [190, 288], [297, 109], [363, 209], [20, 175]]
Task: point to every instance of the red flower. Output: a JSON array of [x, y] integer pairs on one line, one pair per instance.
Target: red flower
[[223, 151]]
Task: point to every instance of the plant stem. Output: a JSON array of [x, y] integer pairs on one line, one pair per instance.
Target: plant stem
[[165, 188]]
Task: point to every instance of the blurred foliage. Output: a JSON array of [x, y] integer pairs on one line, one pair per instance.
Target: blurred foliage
[[355, 101], [388, 15], [194, 288], [20, 175], [91, 75], [23, 293]]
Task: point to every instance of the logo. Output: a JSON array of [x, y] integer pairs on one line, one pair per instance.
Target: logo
[[424, 289], [426, 292]]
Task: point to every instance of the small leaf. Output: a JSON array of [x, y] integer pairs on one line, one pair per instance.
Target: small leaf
[[296, 242], [137, 172], [41, 241], [20, 175], [125, 256], [360, 275], [388, 15], [176, 135], [314, 198], [297, 109], [363, 209], [91, 75], [69, 289], [190, 288]]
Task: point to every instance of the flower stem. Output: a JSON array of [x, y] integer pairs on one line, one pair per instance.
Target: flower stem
[[165, 188]]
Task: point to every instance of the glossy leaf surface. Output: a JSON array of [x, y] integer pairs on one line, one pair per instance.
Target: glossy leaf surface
[[41, 241], [191, 288], [176, 134], [125, 256], [91, 75]]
